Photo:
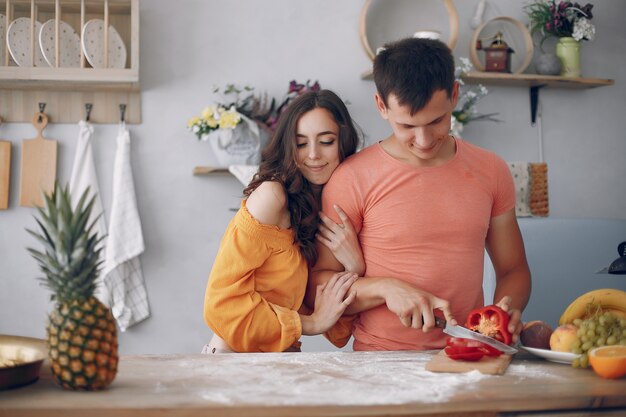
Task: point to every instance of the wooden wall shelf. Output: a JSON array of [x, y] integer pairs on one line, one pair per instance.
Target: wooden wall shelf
[[533, 80], [85, 79], [66, 90], [210, 170]]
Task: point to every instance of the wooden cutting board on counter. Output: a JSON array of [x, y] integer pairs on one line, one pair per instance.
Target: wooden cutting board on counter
[[39, 165], [487, 365]]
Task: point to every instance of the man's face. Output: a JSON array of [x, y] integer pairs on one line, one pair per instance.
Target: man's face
[[424, 134]]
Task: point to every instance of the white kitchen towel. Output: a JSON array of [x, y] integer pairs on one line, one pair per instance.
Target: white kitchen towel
[[123, 275], [84, 175], [521, 179]]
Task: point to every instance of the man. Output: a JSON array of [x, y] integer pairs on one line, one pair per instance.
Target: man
[[425, 205]]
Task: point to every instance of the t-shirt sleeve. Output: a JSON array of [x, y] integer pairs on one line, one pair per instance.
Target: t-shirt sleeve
[[504, 197], [342, 189], [234, 310]]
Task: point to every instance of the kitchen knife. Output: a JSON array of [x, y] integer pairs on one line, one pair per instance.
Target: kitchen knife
[[462, 332]]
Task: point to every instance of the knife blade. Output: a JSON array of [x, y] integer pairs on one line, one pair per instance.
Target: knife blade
[[462, 332]]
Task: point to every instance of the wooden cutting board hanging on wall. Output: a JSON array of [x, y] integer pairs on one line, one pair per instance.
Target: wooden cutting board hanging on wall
[[5, 173], [39, 165]]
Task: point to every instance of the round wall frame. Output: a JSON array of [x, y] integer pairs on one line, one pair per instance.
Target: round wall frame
[[528, 43], [453, 20]]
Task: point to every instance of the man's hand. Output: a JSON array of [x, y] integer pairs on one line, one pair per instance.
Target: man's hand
[[515, 315], [413, 306]]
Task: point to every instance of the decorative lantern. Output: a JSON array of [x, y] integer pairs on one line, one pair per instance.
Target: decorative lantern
[[497, 55]]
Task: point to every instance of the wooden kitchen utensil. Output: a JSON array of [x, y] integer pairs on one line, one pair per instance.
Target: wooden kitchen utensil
[[5, 173], [487, 365], [39, 165]]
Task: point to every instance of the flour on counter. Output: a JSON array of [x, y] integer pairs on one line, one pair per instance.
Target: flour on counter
[[332, 378], [531, 370]]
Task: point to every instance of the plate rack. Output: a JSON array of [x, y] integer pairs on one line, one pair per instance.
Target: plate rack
[[66, 91]]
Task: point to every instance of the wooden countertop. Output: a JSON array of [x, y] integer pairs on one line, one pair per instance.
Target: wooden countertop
[[319, 384]]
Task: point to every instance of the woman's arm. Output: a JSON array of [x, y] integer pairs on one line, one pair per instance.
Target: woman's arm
[[233, 307], [331, 300]]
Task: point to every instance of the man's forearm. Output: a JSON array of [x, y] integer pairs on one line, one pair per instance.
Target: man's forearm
[[517, 285], [368, 291], [369, 294]]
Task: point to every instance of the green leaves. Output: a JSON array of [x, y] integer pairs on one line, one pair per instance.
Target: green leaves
[[71, 253]]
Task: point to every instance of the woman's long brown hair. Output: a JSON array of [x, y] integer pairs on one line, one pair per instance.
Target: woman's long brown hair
[[278, 163]]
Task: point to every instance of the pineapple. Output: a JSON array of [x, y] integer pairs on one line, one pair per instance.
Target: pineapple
[[81, 332]]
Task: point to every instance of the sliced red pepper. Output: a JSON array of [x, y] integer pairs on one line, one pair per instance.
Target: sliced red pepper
[[491, 321], [467, 355], [468, 350], [490, 351]]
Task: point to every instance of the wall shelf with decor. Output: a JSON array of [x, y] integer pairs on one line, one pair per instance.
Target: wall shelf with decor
[[204, 170], [534, 82], [84, 51]]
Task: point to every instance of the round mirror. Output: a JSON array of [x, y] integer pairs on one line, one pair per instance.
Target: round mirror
[[385, 21]]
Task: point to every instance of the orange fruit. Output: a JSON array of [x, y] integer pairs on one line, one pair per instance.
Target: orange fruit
[[609, 361]]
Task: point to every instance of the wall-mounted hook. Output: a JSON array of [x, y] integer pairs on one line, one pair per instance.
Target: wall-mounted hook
[[88, 107], [42, 108], [122, 113]]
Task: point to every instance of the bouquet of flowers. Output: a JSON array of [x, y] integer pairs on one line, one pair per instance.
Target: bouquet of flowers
[[465, 111], [561, 19], [241, 105]]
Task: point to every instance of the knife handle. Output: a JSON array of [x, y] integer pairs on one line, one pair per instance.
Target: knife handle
[[440, 322]]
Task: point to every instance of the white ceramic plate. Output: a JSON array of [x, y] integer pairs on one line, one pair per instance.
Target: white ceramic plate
[[2, 38], [552, 356], [18, 42], [93, 45], [69, 43]]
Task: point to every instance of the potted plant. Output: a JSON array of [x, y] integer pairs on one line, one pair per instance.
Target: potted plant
[[238, 128], [567, 21]]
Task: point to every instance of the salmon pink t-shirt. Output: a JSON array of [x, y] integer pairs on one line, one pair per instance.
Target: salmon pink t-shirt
[[423, 225]]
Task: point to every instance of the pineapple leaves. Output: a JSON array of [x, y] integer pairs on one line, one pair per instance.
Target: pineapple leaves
[[71, 255]]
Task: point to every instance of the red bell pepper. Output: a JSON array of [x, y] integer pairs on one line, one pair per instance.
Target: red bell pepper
[[468, 350], [462, 355], [491, 321]]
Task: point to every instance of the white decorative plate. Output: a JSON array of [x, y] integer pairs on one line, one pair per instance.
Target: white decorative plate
[[551, 355], [2, 38], [69, 43], [18, 42], [93, 45]]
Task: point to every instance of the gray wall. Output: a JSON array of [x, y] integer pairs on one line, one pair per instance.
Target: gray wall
[[189, 46]]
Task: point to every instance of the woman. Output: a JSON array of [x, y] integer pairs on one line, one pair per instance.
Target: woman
[[253, 301]]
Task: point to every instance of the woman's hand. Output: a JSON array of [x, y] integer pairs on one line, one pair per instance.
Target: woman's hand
[[342, 240], [331, 301]]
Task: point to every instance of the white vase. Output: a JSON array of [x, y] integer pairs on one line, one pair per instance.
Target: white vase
[[238, 146]]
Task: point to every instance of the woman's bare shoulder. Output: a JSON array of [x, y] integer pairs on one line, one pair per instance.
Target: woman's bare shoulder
[[268, 204]]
